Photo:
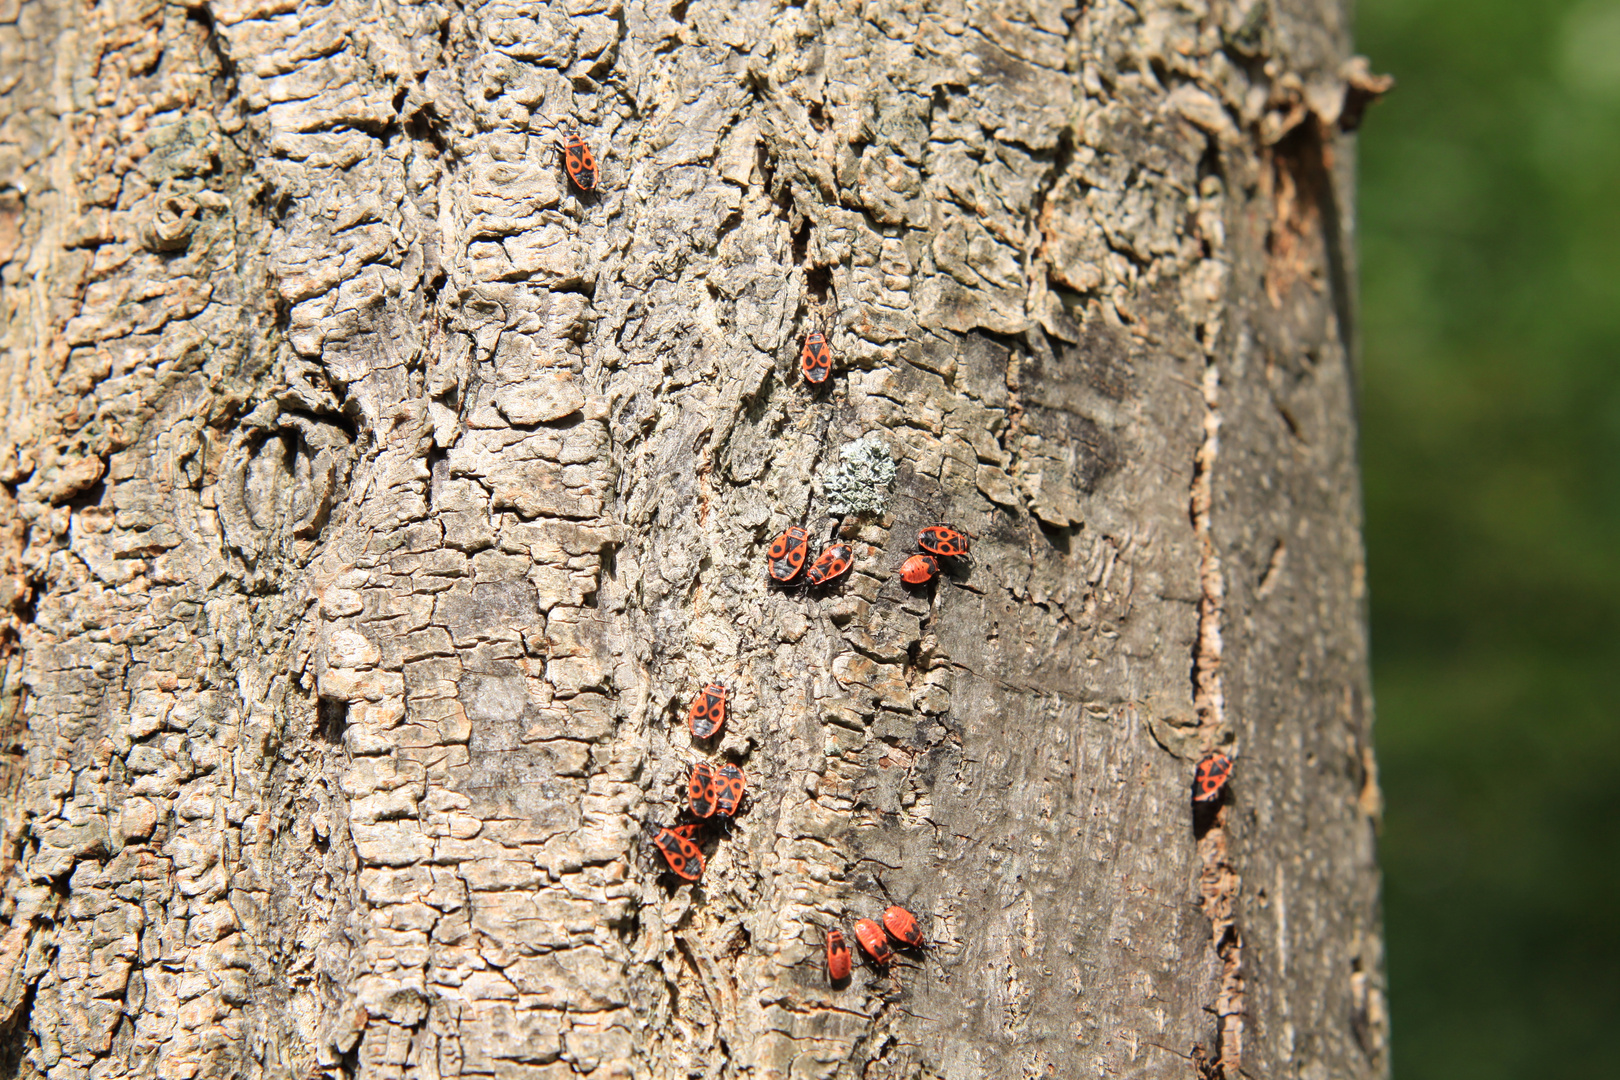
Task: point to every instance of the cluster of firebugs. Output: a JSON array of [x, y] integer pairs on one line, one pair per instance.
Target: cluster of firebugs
[[718, 792]]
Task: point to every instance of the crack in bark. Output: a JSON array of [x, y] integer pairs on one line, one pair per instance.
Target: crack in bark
[[1208, 697], [1219, 882]]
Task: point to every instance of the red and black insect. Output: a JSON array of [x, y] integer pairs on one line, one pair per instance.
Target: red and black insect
[[1214, 770], [919, 570], [838, 959], [787, 554], [944, 541], [578, 161], [902, 926], [816, 359], [832, 562], [700, 791], [729, 785], [873, 943], [680, 850], [708, 713]]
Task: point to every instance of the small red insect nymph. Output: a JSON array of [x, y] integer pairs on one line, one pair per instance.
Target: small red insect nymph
[[873, 943], [902, 926], [838, 959], [919, 570]]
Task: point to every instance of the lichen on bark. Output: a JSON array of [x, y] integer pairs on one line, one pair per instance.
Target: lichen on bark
[[860, 483]]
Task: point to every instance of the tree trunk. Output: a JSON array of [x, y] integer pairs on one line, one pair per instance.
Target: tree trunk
[[376, 501]]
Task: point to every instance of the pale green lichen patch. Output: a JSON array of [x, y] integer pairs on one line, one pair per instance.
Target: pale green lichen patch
[[860, 485]]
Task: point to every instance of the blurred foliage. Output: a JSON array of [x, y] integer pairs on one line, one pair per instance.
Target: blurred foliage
[[1490, 267]]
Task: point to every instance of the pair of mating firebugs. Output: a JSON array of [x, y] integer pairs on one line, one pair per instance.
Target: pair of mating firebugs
[[789, 552], [937, 542], [898, 923], [712, 791]]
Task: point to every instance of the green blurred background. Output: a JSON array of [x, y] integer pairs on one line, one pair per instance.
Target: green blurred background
[[1490, 246]]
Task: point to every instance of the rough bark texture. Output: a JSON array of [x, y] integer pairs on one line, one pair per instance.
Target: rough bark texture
[[374, 504]]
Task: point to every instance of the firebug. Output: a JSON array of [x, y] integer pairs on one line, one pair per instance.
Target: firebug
[[919, 570], [1214, 770], [944, 541], [902, 926], [708, 713], [680, 850], [873, 943], [700, 791], [578, 161], [832, 562], [838, 959], [729, 785], [816, 360], [787, 554]]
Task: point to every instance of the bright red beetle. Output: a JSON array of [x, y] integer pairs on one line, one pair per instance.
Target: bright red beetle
[[578, 161], [700, 792], [729, 785]]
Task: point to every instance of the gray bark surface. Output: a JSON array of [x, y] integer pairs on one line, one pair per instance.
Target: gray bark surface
[[374, 504]]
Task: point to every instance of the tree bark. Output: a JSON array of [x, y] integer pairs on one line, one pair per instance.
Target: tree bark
[[375, 502]]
